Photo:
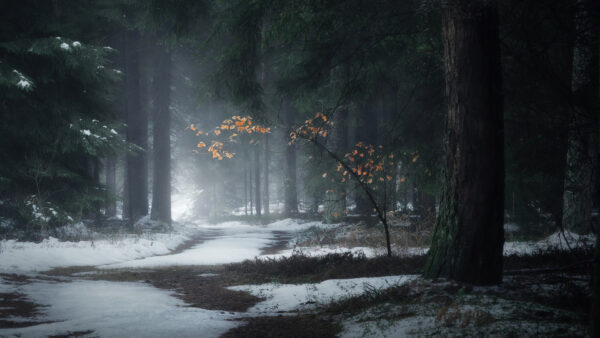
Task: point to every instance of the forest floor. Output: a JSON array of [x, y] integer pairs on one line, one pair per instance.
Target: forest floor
[[303, 283]]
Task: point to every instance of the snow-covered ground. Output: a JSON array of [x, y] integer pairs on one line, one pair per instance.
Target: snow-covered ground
[[235, 242], [113, 309], [558, 240], [221, 243], [481, 314], [110, 309], [289, 297], [18, 257], [227, 242]]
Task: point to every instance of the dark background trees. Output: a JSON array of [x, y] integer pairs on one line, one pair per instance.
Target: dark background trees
[[98, 99]]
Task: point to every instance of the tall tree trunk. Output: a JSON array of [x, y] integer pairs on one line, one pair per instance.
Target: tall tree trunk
[[245, 190], [111, 186], [289, 178], [161, 183], [366, 132], [579, 174], [595, 310], [335, 196], [469, 236], [137, 132], [257, 198], [250, 185], [266, 194]]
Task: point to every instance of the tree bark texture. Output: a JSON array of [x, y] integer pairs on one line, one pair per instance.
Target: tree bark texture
[[581, 145], [137, 132], [595, 308], [468, 237], [161, 183]]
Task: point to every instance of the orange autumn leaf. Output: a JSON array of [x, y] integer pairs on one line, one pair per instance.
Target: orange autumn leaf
[[415, 158], [201, 145]]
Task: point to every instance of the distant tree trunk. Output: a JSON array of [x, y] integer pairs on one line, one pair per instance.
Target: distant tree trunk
[[111, 186], [266, 194], [137, 132], [366, 132], [245, 190], [425, 207], [579, 174], [289, 178], [257, 196], [250, 184], [125, 192], [469, 236], [161, 179], [335, 196]]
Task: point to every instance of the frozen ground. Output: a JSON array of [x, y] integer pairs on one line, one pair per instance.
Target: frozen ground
[[126, 309], [288, 297], [113, 309], [16, 257], [222, 243]]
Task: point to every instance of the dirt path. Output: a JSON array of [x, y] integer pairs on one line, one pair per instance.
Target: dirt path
[[203, 287]]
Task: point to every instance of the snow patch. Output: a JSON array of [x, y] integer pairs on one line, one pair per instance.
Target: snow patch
[[51, 253], [289, 297], [117, 310]]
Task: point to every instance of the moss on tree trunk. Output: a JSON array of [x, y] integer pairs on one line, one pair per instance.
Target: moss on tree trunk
[[468, 236]]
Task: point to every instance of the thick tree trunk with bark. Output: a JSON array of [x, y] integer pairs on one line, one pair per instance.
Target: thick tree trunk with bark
[[469, 236], [581, 157], [289, 178], [595, 311], [257, 196], [137, 132], [161, 184]]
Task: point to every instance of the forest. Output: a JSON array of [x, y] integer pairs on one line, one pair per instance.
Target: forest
[[299, 168]]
